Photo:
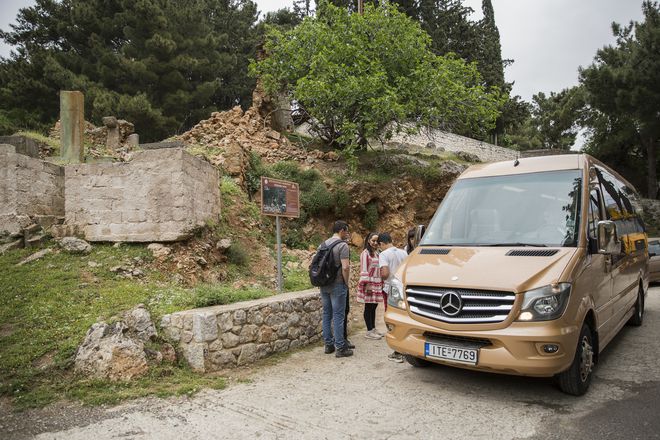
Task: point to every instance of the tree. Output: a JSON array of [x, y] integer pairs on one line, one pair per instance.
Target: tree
[[356, 74], [163, 65], [623, 96], [556, 117]]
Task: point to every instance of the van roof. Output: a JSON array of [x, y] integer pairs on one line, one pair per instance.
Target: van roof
[[527, 165]]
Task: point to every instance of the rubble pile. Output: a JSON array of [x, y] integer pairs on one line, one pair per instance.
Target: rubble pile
[[95, 139], [229, 137]]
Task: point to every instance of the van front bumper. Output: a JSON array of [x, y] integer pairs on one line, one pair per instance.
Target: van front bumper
[[516, 349]]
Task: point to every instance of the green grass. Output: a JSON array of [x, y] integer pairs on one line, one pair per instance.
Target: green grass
[[48, 305]]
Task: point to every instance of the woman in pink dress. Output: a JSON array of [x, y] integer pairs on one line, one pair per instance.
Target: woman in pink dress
[[370, 285]]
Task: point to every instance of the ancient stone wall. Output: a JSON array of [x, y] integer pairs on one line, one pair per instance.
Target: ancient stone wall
[[441, 140], [161, 195], [218, 337], [31, 191]]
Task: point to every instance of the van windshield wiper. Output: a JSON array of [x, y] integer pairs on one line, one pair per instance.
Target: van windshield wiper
[[514, 245]]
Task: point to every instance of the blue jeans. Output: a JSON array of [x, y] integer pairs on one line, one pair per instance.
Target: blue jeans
[[333, 298]]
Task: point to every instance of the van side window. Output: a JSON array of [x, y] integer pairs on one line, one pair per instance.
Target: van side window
[[613, 205], [594, 212]]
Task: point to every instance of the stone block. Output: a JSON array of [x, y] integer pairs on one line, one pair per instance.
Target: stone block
[[240, 317], [222, 359], [225, 322], [229, 340], [281, 345], [248, 333], [205, 327], [72, 117], [195, 354], [248, 355]]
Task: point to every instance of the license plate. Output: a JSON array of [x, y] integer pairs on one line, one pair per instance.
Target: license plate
[[451, 353]]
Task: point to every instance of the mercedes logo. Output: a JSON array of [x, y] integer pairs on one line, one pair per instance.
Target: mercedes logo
[[451, 303]]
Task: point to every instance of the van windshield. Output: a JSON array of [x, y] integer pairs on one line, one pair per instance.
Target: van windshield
[[535, 209]]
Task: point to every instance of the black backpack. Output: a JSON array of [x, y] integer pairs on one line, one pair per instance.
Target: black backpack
[[323, 269]]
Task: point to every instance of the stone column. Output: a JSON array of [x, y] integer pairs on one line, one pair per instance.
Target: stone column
[[112, 139], [72, 123]]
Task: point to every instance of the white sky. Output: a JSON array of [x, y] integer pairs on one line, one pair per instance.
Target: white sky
[[548, 39]]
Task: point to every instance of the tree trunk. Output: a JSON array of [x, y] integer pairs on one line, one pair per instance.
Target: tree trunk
[[652, 178]]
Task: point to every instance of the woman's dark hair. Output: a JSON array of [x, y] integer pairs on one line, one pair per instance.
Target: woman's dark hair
[[411, 235], [367, 245]]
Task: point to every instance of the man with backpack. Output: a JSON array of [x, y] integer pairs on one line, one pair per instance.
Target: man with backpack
[[330, 271]]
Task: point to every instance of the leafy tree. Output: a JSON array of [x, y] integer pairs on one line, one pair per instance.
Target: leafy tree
[[355, 74], [623, 97], [164, 65], [556, 117]]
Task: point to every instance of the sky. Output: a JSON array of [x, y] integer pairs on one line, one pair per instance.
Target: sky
[[547, 39]]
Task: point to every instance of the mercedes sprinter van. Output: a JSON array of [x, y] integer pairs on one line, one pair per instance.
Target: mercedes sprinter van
[[528, 267]]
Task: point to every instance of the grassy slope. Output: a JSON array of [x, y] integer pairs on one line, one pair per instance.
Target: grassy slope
[[49, 304]]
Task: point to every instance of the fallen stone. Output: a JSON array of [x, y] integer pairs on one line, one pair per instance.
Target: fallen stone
[[139, 323], [159, 250], [107, 353], [468, 157], [223, 244], [17, 244], [201, 261], [168, 352], [35, 256], [75, 245]]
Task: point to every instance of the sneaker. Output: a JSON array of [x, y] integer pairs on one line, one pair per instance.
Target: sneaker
[[329, 349], [395, 357], [344, 352], [349, 344], [372, 334], [380, 333]]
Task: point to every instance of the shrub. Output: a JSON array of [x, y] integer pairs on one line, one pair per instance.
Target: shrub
[[317, 199], [371, 216], [341, 203], [237, 255]]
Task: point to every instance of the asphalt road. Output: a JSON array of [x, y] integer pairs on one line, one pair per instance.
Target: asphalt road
[[315, 396]]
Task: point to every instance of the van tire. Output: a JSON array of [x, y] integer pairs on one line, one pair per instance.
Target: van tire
[[637, 318], [417, 362], [576, 379]]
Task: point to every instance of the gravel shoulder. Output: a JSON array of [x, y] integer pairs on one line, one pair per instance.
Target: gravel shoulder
[[316, 396]]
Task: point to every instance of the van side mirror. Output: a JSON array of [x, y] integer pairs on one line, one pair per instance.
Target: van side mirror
[[608, 241], [419, 233]]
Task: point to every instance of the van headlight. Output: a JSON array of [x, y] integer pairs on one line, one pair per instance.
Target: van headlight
[[545, 303], [395, 297]]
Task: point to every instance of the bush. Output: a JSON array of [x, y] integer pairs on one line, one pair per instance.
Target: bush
[[317, 199], [370, 221], [341, 203], [237, 255], [254, 173], [291, 171]]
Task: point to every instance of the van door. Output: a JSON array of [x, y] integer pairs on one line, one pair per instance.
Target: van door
[[625, 264], [597, 276]]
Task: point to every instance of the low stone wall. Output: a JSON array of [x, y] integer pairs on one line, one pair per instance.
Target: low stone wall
[[436, 140], [31, 191], [218, 337], [161, 195]]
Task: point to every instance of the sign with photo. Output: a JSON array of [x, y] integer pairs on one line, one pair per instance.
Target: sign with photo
[[279, 198]]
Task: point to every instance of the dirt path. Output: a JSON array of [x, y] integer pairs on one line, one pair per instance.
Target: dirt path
[[317, 396]]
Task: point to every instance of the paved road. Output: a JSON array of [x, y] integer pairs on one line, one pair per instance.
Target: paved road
[[314, 396]]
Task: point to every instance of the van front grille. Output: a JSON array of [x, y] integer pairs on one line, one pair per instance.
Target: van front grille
[[460, 306]]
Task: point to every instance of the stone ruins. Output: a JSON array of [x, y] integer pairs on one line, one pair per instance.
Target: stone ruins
[[161, 194]]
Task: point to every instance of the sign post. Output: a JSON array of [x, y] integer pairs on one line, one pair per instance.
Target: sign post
[[279, 198]]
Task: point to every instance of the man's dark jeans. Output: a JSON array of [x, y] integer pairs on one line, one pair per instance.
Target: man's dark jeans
[[333, 298]]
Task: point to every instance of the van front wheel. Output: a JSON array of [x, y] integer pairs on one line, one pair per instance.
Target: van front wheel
[[576, 379], [638, 315], [417, 362]]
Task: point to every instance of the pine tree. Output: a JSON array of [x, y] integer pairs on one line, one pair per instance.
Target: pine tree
[[163, 65]]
